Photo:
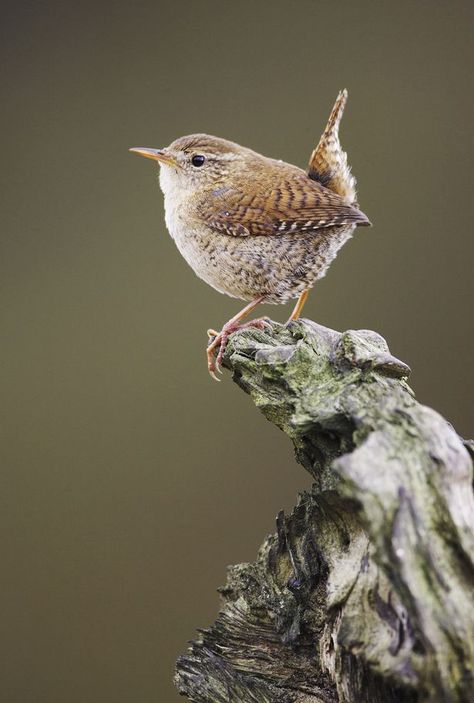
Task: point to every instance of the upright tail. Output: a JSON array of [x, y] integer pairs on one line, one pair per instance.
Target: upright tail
[[328, 162]]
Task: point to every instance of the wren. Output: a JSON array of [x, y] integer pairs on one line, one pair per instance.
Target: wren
[[256, 228]]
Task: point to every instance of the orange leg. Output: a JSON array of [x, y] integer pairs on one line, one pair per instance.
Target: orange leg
[[299, 306], [219, 343]]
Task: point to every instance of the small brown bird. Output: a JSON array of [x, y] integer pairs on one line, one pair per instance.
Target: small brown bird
[[256, 228]]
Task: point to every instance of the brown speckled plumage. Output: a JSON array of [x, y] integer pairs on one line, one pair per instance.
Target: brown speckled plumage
[[328, 162], [253, 227]]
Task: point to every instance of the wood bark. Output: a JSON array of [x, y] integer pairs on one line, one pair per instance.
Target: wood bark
[[365, 592]]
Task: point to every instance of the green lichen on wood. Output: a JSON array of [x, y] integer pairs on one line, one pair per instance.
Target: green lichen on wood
[[365, 593]]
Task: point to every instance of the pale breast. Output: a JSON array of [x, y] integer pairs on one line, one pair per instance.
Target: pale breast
[[278, 267]]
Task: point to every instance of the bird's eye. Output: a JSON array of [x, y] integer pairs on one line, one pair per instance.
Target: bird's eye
[[198, 160]]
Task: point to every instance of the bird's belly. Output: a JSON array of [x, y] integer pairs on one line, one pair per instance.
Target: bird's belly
[[279, 267]]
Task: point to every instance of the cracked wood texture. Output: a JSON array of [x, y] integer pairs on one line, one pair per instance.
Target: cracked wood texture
[[365, 592]]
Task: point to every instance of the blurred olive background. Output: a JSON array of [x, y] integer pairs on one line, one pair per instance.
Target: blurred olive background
[[129, 479]]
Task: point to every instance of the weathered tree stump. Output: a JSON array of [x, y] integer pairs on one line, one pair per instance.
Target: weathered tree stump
[[366, 592]]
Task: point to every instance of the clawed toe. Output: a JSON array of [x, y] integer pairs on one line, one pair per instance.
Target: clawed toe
[[213, 375], [212, 365], [216, 349], [218, 340], [260, 324], [222, 348]]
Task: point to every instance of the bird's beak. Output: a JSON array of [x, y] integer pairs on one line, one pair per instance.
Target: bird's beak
[[156, 154]]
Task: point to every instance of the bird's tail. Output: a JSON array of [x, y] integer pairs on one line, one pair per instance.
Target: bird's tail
[[328, 162]]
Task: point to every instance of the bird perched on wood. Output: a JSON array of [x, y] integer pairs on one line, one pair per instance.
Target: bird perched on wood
[[257, 228]]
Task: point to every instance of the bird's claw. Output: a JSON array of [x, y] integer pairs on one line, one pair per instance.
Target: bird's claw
[[220, 354], [213, 365], [219, 342], [213, 375]]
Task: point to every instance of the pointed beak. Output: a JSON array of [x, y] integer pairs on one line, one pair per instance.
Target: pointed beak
[[156, 154]]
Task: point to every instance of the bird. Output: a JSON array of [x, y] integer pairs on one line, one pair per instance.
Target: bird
[[256, 228]]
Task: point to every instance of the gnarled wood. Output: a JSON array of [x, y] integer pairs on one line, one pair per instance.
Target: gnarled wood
[[365, 593]]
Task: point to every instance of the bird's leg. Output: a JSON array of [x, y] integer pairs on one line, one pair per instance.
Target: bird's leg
[[299, 306], [219, 342]]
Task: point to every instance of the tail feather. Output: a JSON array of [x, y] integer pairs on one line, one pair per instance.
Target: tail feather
[[328, 163]]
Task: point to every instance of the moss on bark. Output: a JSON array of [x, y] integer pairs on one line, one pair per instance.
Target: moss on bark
[[365, 592]]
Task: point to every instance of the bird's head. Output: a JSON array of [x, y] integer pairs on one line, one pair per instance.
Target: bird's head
[[198, 161]]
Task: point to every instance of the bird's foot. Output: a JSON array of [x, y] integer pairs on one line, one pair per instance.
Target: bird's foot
[[215, 350]]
